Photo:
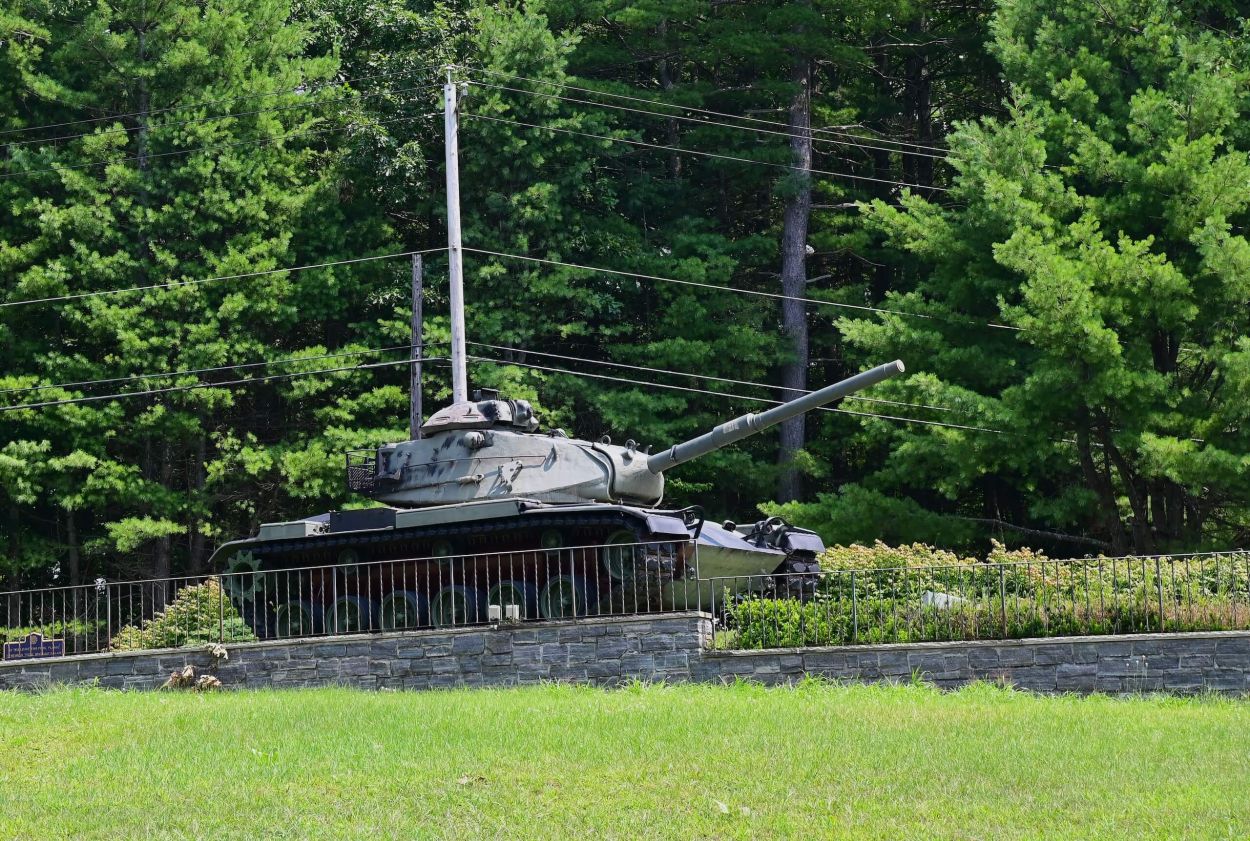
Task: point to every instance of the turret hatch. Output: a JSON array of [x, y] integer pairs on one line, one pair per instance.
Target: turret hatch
[[485, 412]]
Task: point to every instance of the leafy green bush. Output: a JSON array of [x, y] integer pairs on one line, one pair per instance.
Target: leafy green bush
[[60, 628], [785, 623], [917, 593], [199, 614]]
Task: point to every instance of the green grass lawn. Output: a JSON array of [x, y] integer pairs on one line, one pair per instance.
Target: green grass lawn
[[815, 761]]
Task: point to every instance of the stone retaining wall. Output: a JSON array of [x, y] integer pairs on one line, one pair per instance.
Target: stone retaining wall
[[666, 648], [604, 651], [1180, 663]]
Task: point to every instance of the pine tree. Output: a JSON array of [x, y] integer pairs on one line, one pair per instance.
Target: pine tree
[[1100, 220]]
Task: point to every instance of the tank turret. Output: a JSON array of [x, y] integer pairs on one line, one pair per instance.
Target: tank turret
[[491, 449]]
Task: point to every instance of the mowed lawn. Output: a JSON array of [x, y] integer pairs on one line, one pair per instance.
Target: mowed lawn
[[815, 761]]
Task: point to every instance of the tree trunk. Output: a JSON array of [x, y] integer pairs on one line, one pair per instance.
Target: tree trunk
[[74, 559], [882, 272], [161, 566], [1142, 541], [197, 544], [667, 82], [1100, 484], [141, 136], [918, 169], [1175, 497], [798, 209], [11, 582]]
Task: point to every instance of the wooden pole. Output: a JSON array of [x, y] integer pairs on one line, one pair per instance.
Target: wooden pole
[[417, 350]]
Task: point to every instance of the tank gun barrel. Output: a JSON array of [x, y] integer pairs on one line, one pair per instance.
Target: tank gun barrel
[[750, 423]]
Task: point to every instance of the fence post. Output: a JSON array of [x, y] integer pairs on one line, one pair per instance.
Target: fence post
[[221, 612], [854, 609], [1163, 625], [1002, 596], [711, 604]]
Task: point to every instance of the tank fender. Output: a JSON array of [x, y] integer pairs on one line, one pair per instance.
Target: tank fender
[[667, 527], [802, 540]]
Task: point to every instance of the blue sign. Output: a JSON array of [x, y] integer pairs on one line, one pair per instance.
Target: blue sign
[[34, 647]]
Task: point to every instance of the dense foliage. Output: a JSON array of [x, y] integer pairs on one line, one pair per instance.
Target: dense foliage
[[199, 614], [1068, 284], [881, 593]]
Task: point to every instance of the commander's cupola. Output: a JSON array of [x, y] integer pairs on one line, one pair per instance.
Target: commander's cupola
[[485, 411]]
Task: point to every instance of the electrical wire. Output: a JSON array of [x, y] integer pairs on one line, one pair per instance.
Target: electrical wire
[[694, 109], [189, 371], [196, 281], [1069, 441], [662, 147], [297, 89], [718, 287], [277, 108], [701, 122], [708, 377], [734, 396], [222, 384], [216, 147]]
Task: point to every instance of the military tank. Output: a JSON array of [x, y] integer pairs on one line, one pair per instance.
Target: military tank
[[485, 509]]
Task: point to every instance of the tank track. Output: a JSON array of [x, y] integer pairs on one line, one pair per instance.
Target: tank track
[[477, 549], [357, 573]]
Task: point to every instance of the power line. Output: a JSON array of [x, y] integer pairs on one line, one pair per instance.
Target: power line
[[197, 281], [702, 122], [297, 89], [548, 368], [716, 155], [222, 384], [214, 148], [232, 115], [734, 396], [189, 371], [708, 377], [694, 109], [718, 287]]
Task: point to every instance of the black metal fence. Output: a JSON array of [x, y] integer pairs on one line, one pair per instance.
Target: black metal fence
[[406, 594], [1205, 592], [834, 607]]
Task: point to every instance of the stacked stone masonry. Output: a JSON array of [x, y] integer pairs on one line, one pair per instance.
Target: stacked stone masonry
[[674, 648], [601, 651]]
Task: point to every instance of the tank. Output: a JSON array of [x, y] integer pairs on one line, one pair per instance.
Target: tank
[[484, 508]]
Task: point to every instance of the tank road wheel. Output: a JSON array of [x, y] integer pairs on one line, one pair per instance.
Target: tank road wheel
[[564, 596], [802, 578], [297, 619], [350, 615], [456, 605], [521, 593], [403, 609], [619, 558], [243, 578]]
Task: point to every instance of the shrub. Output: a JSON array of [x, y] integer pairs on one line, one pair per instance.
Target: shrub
[[784, 623], [918, 593], [198, 614]]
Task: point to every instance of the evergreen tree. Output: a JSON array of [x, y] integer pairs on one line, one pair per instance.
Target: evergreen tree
[[1100, 219], [163, 186]]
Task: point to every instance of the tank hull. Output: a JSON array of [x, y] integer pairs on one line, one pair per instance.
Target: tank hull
[[725, 565], [386, 569]]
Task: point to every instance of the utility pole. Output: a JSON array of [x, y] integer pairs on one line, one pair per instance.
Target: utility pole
[[459, 373], [415, 413]]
